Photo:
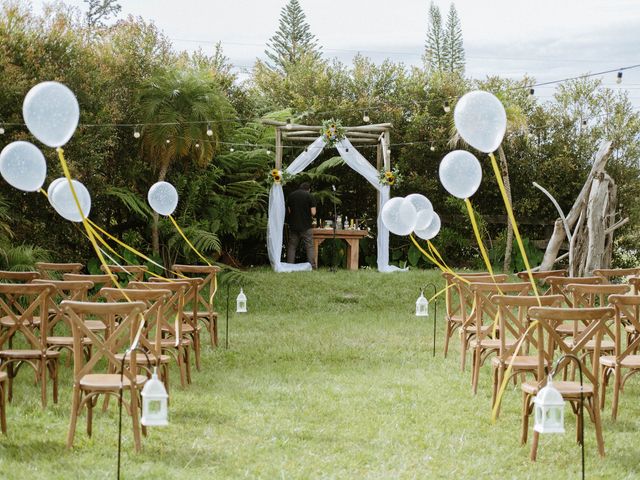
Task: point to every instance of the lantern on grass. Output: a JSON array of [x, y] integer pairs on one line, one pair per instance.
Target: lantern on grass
[[549, 410], [241, 302], [422, 305], [154, 403]]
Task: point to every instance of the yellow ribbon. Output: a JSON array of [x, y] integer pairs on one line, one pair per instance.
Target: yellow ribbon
[[476, 232], [175, 224]]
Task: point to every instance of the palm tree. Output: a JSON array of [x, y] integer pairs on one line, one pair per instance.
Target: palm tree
[[516, 121], [186, 117]]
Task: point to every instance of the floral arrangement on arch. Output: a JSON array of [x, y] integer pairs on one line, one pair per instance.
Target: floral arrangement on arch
[[392, 177], [279, 176], [332, 131]]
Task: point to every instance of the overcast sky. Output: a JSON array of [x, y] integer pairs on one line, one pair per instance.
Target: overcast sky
[[548, 39]]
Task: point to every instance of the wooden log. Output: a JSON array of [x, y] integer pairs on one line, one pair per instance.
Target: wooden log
[[278, 150], [597, 210]]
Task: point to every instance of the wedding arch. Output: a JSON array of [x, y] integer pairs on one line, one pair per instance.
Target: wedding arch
[[378, 134]]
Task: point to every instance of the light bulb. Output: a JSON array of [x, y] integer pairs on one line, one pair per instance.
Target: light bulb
[[531, 92], [619, 77], [209, 131], [168, 141], [268, 152], [136, 134], [288, 126], [447, 108], [197, 145], [432, 148], [584, 123], [1, 130], [232, 149], [365, 117]]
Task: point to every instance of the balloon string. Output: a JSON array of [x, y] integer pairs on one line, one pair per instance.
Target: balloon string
[[436, 253], [175, 224], [67, 174], [476, 231], [514, 224], [435, 262], [437, 294]]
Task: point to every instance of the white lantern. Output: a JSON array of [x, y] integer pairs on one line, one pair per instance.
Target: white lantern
[[241, 302], [154, 403], [549, 410], [422, 305]]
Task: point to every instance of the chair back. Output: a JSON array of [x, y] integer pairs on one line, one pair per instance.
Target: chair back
[[24, 304], [133, 272], [548, 339], [99, 280], [615, 275], [627, 308], [17, 277], [54, 271], [485, 310], [204, 292], [173, 316], [64, 290], [557, 285], [122, 334], [590, 295], [459, 297], [541, 275]]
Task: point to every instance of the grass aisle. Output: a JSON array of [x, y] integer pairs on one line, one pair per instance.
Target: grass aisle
[[328, 376]]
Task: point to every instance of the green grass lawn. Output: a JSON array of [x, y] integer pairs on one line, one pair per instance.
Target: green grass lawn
[[330, 375]]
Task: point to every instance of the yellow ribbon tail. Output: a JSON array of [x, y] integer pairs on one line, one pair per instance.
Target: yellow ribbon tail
[[476, 232], [175, 224]]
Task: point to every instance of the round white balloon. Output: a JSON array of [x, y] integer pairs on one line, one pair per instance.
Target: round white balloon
[[432, 229], [163, 198], [399, 216], [460, 173], [62, 200], [423, 207], [53, 185], [480, 120], [23, 166], [51, 112]]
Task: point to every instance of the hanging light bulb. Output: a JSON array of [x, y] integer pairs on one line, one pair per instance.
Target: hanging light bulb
[[1, 129], [209, 131], [136, 133], [241, 302], [432, 147], [619, 77], [447, 108], [365, 117], [288, 126], [197, 145], [268, 152], [168, 141], [532, 91], [584, 123], [232, 150]]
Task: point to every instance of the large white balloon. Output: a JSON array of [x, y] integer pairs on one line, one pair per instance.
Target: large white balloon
[[399, 216], [51, 113], [23, 166], [52, 187], [62, 200], [423, 207], [432, 229], [480, 120], [460, 173], [163, 198]]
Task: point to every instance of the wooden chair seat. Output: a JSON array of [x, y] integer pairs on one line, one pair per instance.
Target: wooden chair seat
[[490, 343], [567, 330], [171, 342], [65, 341], [630, 361], [95, 325], [186, 328], [519, 362], [201, 314], [142, 359], [27, 354], [484, 328], [10, 322], [567, 389], [605, 345], [108, 381]]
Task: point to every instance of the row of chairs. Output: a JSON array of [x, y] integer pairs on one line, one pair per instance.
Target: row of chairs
[[595, 318], [55, 309]]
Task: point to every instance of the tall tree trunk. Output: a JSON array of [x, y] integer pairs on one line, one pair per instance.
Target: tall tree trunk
[[155, 234], [506, 266]]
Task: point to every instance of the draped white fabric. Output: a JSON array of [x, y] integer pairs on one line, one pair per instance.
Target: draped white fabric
[[275, 225]]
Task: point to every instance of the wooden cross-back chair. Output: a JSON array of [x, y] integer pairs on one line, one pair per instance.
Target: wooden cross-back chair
[[514, 340], [540, 277], [151, 339], [88, 385], [24, 311], [99, 280], [18, 277], [177, 333], [558, 285], [54, 271], [616, 275], [131, 272], [548, 338], [202, 308], [459, 301], [635, 283], [63, 290], [625, 357], [481, 329]]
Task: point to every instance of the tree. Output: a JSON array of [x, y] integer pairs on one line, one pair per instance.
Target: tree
[[293, 40], [101, 10], [186, 118], [434, 47], [453, 48]]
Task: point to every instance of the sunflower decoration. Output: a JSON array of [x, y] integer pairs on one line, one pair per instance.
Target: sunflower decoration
[[332, 131], [279, 176], [392, 177]]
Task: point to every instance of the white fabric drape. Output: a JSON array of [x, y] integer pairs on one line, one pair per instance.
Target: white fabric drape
[[275, 224]]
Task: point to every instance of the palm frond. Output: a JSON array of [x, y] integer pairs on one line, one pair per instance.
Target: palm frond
[[131, 201]]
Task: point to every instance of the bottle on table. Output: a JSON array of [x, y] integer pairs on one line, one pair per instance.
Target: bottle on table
[[346, 223]]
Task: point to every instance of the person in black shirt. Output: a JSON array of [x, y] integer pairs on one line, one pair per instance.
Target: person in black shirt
[[301, 207]]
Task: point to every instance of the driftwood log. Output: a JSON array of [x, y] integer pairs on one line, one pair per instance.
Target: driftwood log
[[592, 221]]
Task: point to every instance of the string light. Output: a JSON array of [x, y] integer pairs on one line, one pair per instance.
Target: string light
[[432, 147], [288, 126], [197, 145], [136, 133], [1, 129], [619, 78], [232, 149], [532, 91], [447, 108], [365, 117], [209, 131], [168, 141]]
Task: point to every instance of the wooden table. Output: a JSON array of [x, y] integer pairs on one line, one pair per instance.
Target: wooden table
[[352, 237]]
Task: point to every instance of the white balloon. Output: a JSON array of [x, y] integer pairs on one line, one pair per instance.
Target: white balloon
[[480, 120], [62, 200], [432, 229], [460, 173], [51, 112], [23, 166], [163, 198], [399, 216], [52, 187], [423, 207]]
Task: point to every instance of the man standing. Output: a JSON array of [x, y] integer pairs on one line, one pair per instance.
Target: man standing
[[301, 207]]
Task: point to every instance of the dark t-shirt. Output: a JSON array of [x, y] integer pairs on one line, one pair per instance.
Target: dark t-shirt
[[300, 203]]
